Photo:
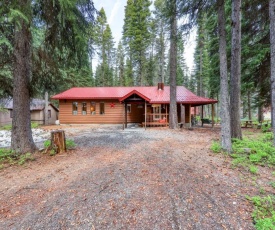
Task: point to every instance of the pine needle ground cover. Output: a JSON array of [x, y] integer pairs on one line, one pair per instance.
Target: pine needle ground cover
[[251, 153]]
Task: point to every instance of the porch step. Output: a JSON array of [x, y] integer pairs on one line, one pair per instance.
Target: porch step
[[154, 123]]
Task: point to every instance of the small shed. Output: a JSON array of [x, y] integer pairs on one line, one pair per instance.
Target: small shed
[[37, 108]]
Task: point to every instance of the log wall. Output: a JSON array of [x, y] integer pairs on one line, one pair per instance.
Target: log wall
[[114, 113]]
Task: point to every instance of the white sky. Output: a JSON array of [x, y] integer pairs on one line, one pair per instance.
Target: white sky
[[114, 10]]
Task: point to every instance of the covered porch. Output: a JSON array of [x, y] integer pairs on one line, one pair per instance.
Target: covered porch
[[140, 109]]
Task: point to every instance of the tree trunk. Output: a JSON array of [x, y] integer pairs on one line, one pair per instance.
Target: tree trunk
[[224, 98], [21, 139], [260, 113], [173, 116], [162, 54], [235, 81], [249, 105], [272, 56]]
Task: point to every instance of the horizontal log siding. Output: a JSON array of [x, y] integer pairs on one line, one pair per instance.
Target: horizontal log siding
[[113, 115]]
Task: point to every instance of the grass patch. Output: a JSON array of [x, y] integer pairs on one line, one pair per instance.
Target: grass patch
[[70, 144], [264, 212], [266, 127], [47, 143], [216, 147], [6, 127], [253, 169], [34, 125], [7, 156], [252, 151], [256, 151]]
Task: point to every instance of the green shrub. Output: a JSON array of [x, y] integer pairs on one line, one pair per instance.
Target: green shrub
[[8, 156], [272, 183], [253, 169], [254, 150], [264, 212], [216, 147], [24, 158], [268, 136], [70, 144], [266, 127], [34, 125], [47, 143]]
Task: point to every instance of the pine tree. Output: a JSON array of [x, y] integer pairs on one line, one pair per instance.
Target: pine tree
[[173, 117], [47, 39], [136, 36], [105, 50], [235, 80], [120, 68], [272, 51], [161, 40], [225, 115]]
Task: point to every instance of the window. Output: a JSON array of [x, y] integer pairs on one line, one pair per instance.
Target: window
[[74, 108], [49, 113], [102, 108], [84, 108], [11, 113], [129, 108], [93, 108]]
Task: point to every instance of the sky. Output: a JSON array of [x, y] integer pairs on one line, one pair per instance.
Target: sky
[[114, 10]]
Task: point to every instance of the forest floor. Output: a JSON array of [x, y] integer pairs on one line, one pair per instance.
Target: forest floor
[[128, 179]]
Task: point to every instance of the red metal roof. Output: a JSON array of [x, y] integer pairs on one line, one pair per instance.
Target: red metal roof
[[149, 93]]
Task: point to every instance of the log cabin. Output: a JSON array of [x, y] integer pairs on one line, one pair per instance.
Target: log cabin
[[146, 105]]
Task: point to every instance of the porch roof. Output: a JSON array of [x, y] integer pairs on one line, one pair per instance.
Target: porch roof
[[150, 93]]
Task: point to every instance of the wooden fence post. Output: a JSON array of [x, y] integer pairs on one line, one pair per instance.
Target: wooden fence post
[[58, 141]]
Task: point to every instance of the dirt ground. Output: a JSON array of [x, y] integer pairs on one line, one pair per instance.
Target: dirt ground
[[126, 179]]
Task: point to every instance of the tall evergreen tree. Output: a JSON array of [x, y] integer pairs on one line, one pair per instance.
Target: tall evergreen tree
[[105, 50], [161, 39], [21, 140], [63, 28], [136, 36], [224, 94], [272, 56], [173, 117], [235, 81], [120, 68]]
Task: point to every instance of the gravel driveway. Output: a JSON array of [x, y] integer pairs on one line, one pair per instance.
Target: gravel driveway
[[126, 179]]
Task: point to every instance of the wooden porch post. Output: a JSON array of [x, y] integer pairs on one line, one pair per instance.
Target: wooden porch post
[[212, 112], [125, 115], [166, 115], [145, 108], [190, 124], [201, 115], [182, 115]]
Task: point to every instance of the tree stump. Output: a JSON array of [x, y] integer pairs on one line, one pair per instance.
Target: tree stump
[[58, 141]]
